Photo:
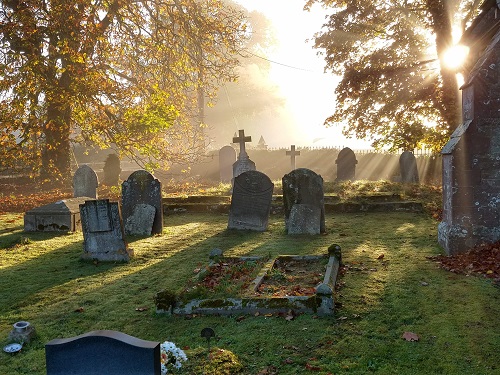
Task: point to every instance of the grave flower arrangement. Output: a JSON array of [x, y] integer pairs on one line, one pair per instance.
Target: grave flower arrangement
[[171, 357]]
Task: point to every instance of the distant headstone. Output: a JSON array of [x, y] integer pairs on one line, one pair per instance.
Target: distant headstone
[[251, 201], [112, 170], [142, 188], [243, 163], [85, 182], [141, 221], [303, 186], [304, 219], [292, 153], [471, 158], [346, 165], [408, 168], [61, 216], [103, 236], [102, 353], [227, 157]]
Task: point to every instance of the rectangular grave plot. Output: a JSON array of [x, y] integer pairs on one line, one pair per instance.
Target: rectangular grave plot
[[226, 277], [314, 295], [292, 276]]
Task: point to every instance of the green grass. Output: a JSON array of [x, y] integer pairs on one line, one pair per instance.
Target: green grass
[[456, 317]]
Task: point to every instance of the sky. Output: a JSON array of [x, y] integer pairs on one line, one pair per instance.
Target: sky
[[309, 91]]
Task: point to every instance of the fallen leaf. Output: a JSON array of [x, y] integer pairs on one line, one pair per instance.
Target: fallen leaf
[[410, 336], [79, 310], [381, 256], [312, 367], [288, 361], [141, 309]]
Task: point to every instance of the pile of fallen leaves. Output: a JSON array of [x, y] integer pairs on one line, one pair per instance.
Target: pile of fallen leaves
[[481, 260], [26, 196]]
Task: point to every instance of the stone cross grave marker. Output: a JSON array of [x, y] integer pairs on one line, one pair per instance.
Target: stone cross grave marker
[[142, 189], [251, 201], [103, 353], [346, 165], [103, 236], [292, 153], [85, 182], [305, 187], [243, 163], [408, 168], [227, 157]]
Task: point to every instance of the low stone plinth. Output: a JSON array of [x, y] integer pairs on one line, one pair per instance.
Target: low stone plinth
[[60, 216]]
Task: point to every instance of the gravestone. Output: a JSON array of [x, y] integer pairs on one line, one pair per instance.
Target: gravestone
[[251, 201], [303, 186], [227, 157], [60, 216], [111, 170], [85, 182], [292, 153], [346, 165], [243, 163], [102, 353], [304, 219], [471, 158], [408, 168], [103, 236], [141, 188], [141, 221]]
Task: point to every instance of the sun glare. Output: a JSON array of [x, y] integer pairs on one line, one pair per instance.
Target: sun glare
[[455, 56]]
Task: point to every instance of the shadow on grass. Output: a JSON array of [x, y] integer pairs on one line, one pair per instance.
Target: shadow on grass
[[20, 282], [402, 291]]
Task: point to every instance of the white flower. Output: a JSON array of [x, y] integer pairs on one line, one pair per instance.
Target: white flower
[[171, 357]]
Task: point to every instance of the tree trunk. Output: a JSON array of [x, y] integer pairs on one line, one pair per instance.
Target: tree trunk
[[56, 167], [449, 105]]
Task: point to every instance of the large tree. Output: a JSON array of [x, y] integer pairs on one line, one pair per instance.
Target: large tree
[[395, 88], [133, 74]]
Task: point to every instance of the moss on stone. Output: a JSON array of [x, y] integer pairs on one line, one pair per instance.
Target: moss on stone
[[165, 300]]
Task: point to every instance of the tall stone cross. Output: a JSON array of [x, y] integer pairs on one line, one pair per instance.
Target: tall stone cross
[[292, 153], [241, 139]]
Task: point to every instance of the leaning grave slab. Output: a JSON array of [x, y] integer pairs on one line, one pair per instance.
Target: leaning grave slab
[[60, 216], [260, 295]]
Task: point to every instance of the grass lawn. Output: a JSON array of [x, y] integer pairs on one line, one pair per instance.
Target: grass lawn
[[389, 288]]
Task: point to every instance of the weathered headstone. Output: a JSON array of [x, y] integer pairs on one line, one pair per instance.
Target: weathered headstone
[[471, 158], [346, 165], [292, 153], [408, 168], [141, 221], [60, 216], [111, 170], [103, 236], [243, 163], [304, 219], [303, 186], [227, 157], [102, 353], [251, 201], [142, 188], [85, 182]]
